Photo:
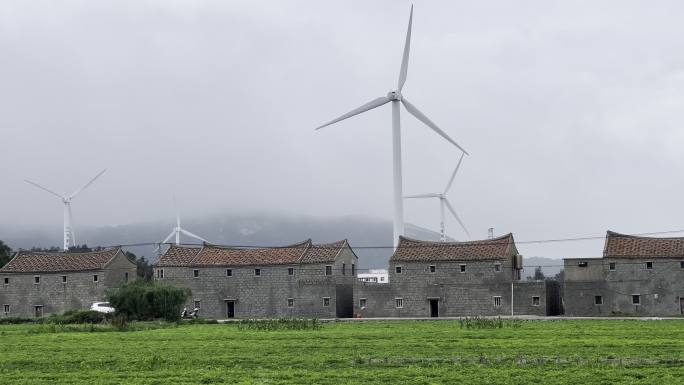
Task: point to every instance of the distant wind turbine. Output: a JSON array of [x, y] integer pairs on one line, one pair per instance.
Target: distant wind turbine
[[395, 97], [69, 236], [443, 201], [176, 232]]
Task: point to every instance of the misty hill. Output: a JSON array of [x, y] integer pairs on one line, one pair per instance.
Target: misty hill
[[371, 238]]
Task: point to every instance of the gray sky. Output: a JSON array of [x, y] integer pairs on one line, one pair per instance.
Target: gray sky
[[572, 111]]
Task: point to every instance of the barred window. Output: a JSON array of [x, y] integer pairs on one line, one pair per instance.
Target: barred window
[[497, 301], [399, 303], [290, 302], [326, 301]]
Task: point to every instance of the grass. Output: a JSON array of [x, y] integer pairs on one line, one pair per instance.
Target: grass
[[402, 352]]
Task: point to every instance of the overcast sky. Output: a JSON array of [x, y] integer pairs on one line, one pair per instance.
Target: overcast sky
[[572, 111]]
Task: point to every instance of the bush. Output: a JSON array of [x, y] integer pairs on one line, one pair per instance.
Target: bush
[[17, 320], [145, 301], [489, 323], [76, 317], [279, 324]]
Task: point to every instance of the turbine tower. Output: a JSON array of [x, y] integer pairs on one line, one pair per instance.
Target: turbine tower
[[444, 202], [176, 232], [69, 236], [396, 97]]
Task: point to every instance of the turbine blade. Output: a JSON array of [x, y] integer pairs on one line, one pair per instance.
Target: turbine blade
[[175, 207], [87, 184], [407, 49], [44, 188], [420, 116], [448, 205], [166, 240], [189, 234], [454, 173], [368, 106], [422, 196]]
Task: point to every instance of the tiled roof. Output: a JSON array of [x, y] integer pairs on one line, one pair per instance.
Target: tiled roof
[[416, 250], [324, 252], [45, 262], [629, 246], [210, 255]]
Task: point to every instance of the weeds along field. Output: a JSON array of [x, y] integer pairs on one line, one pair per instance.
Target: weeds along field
[[400, 352]]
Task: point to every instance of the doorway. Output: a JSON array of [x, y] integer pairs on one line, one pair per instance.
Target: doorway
[[434, 307], [681, 305], [230, 309], [38, 311]]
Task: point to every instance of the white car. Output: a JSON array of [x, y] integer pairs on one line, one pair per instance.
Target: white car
[[102, 307]]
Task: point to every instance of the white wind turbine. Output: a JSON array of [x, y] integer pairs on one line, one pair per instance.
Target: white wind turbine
[[69, 236], [176, 232], [444, 202], [395, 97]]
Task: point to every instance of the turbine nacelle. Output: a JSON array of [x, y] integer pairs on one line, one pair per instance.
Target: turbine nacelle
[[394, 96]]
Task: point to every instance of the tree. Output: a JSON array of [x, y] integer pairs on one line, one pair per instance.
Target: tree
[[141, 300], [5, 254], [144, 268], [538, 274]]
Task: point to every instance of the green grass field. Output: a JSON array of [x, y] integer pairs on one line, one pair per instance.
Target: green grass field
[[405, 352]]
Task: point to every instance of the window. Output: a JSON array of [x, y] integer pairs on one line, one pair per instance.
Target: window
[[497, 267], [326, 301], [463, 268], [95, 278], [257, 272], [399, 303], [353, 269], [160, 273], [198, 304], [362, 303], [611, 266], [649, 265], [125, 277], [6, 309], [7, 279], [598, 300], [290, 271], [229, 272], [344, 269], [535, 300], [328, 270], [36, 279], [397, 269], [64, 279], [382, 279], [497, 301], [433, 268], [582, 264], [681, 266], [290, 302], [195, 273], [636, 299]]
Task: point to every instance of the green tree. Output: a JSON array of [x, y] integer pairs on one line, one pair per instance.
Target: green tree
[[538, 274], [148, 300], [144, 268], [5, 254]]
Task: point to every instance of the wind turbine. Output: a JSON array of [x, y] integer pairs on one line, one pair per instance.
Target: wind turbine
[[176, 232], [69, 236], [396, 97], [443, 201]]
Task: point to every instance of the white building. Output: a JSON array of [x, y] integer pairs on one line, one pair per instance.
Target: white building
[[374, 275]]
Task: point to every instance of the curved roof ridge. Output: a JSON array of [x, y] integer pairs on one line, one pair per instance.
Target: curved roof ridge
[[440, 243], [639, 246], [410, 249]]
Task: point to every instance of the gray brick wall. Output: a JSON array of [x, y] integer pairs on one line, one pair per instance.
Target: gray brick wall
[[22, 294], [266, 296], [660, 288]]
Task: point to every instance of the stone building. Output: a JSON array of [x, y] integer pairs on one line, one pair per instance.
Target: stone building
[[300, 280], [43, 283], [639, 276], [448, 279]]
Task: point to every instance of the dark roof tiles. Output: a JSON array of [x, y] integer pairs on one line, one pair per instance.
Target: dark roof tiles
[[210, 255], [412, 250], [45, 262], [630, 246]]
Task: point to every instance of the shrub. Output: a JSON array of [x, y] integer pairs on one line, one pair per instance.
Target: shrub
[[489, 323], [76, 317], [279, 324], [17, 320], [144, 301]]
